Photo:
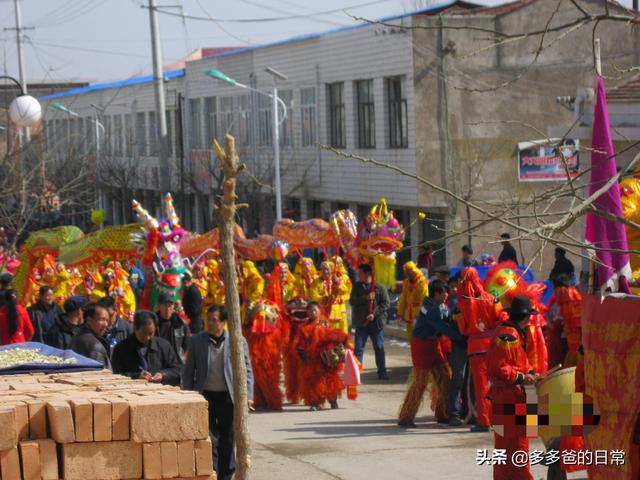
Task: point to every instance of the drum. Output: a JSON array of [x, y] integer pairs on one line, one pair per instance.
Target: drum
[[555, 399]]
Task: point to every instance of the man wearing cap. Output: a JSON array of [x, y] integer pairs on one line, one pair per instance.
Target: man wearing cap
[[67, 323], [509, 371], [508, 253], [171, 327], [6, 279], [192, 302]]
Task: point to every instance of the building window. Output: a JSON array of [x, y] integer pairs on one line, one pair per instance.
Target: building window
[[264, 121], [153, 134], [226, 115], [244, 120], [210, 120], [286, 132], [117, 135], [170, 132], [108, 135], [337, 128], [397, 105], [195, 137], [366, 114], [308, 115], [141, 134], [129, 135]]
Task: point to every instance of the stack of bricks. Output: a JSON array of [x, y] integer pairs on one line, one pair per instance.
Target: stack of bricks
[[100, 426]]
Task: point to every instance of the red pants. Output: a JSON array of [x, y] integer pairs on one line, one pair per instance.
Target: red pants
[[478, 365], [510, 471]]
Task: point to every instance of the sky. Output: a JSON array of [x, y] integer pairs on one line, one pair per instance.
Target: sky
[[98, 40]]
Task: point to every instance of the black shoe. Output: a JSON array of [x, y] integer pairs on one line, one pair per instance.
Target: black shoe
[[442, 420], [455, 421], [334, 404], [314, 408], [383, 376], [479, 429], [407, 424]]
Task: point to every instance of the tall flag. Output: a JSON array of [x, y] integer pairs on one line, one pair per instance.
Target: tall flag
[[601, 232]]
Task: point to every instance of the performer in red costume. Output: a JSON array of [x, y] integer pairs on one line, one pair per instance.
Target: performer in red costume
[[509, 371], [477, 320], [569, 300]]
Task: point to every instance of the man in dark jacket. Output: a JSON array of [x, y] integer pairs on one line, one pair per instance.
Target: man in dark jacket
[[562, 265], [118, 328], [43, 313], [192, 303], [67, 323], [143, 355], [369, 314], [508, 252], [89, 340], [171, 327]]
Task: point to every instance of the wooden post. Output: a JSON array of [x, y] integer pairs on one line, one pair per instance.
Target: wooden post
[[226, 213]]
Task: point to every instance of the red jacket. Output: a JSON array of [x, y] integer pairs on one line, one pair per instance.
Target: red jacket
[[25, 330], [507, 358]]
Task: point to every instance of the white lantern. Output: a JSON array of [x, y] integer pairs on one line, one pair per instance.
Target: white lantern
[[25, 111]]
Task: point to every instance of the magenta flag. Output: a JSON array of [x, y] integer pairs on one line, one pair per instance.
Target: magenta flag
[[603, 233]]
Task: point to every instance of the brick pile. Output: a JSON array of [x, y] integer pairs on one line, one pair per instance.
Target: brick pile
[[101, 426]]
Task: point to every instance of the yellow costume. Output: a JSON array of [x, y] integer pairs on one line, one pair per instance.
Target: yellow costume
[[286, 287], [342, 272], [305, 275], [116, 283], [215, 289], [251, 285], [63, 284], [329, 291], [414, 289]]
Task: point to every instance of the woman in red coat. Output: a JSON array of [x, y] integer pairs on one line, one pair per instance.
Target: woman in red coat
[[15, 324]]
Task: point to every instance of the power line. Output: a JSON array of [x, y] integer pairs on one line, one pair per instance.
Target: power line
[[91, 50], [217, 24], [271, 8]]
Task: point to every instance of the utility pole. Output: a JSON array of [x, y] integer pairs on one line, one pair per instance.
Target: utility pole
[[23, 77], [161, 115]]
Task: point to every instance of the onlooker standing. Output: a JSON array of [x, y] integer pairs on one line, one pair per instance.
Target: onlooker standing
[[192, 303], [467, 259], [144, 355], [508, 252], [15, 324], [562, 265], [425, 258], [6, 279], [208, 371], [67, 323], [118, 329], [369, 314], [43, 313], [171, 327], [89, 340]]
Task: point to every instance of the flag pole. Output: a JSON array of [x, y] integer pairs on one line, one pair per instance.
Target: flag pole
[[596, 52], [592, 263]]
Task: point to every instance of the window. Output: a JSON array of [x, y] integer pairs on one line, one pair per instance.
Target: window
[[308, 116], [141, 134], [129, 135], [195, 136], [153, 135], [397, 105], [211, 120], [226, 115], [286, 127], [244, 120], [108, 132], [170, 132], [117, 135], [366, 114], [337, 131], [265, 135]]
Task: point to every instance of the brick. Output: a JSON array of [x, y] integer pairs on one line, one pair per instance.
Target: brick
[[83, 419], [169, 420], [101, 420], [37, 419], [61, 421], [119, 419], [8, 428], [48, 460], [186, 459], [169, 458], [101, 461], [204, 458], [30, 456], [152, 461], [22, 420], [10, 464]]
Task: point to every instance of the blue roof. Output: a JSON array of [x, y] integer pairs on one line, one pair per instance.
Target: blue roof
[[299, 38], [117, 84]]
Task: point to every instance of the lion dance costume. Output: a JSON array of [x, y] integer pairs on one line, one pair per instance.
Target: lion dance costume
[[414, 290]]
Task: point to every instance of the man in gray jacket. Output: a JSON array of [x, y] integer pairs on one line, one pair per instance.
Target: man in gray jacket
[[208, 370]]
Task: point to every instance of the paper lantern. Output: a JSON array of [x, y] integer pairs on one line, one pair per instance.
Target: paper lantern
[[25, 111]]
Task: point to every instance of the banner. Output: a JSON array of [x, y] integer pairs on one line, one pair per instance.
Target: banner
[[541, 160]]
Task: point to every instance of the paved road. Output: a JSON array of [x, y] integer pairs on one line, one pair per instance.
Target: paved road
[[361, 440]]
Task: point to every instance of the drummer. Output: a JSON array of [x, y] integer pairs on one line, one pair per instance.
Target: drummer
[[509, 370]]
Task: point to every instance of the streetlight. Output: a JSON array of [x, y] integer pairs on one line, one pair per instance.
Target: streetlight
[[217, 74], [24, 110]]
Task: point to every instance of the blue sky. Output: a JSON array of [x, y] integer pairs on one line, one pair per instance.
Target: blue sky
[[109, 39]]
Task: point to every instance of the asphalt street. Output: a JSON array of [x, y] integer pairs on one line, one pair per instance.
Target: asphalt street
[[361, 441]]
